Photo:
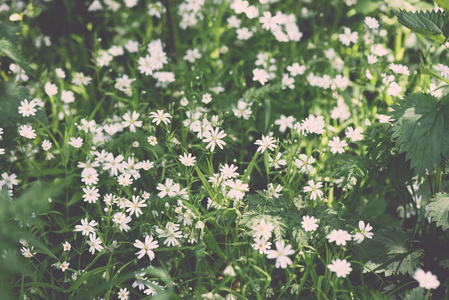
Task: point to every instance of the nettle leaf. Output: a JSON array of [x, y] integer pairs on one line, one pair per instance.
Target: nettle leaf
[[349, 166], [439, 210], [433, 24], [388, 252], [421, 128], [416, 294], [11, 95], [10, 37], [444, 4]]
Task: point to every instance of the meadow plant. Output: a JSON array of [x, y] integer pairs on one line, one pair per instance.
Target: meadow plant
[[224, 149]]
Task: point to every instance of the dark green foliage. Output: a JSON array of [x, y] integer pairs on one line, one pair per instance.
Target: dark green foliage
[[416, 294], [432, 24], [350, 166], [444, 4], [421, 128], [439, 210], [388, 252], [9, 41]]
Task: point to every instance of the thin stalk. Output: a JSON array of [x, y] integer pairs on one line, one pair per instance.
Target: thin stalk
[[438, 180]]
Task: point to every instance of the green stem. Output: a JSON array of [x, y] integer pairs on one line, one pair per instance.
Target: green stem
[[438, 180], [427, 295]]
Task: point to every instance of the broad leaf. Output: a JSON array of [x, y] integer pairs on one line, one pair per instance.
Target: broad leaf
[[349, 167], [433, 24], [439, 210], [9, 42], [416, 294], [388, 252], [444, 4], [421, 128]]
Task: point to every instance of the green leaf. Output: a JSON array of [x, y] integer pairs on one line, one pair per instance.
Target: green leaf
[[10, 97], [9, 41], [349, 167], [428, 71], [421, 128], [416, 294], [199, 254], [444, 4], [432, 24], [439, 210], [388, 252]]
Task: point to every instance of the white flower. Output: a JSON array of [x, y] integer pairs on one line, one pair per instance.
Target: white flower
[[135, 205], [394, 89], [243, 33], [348, 37], [123, 294], [125, 179], [281, 252], [152, 140], [337, 145], [260, 75], [399, 69], [341, 267], [50, 89], [426, 279], [59, 73], [27, 132], [309, 223], [207, 98], [214, 137], [371, 23], [192, 55], [76, 142], [228, 171], [90, 194], [64, 265], [339, 237], [364, 232], [284, 122], [86, 227], [146, 247], [122, 221], [384, 119], [66, 246], [94, 243], [187, 160], [354, 134], [131, 121], [304, 163], [261, 244], [115, 164], [67, 97], [296, 69], [264, 143], [160, 116], [27, 109], [314, 189], [277, 162], [81, 79], [262, 230]]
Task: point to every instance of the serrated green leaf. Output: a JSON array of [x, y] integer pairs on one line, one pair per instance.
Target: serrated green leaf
[[10, 97], [416, 294], [10, 50], [444, 4], [439, 210], [421, 128], [388, 252], [432, 24], [349, 167]]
